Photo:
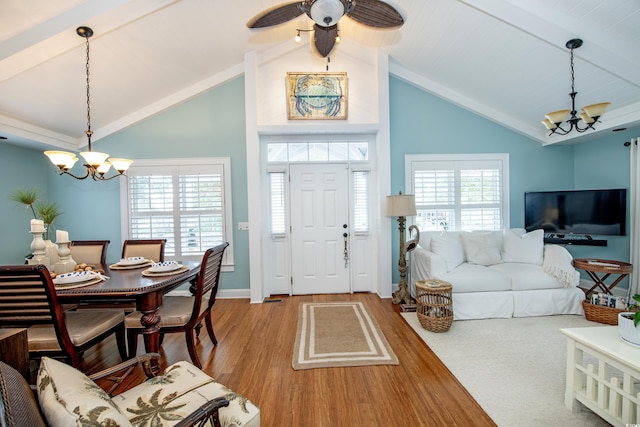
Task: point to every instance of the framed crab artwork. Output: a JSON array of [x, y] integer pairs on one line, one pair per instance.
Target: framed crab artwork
[[317, 96]]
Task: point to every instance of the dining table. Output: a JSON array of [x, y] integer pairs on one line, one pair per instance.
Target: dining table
[[134, 284]]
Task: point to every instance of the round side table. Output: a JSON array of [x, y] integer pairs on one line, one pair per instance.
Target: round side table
[[599, 270], [433, 305]]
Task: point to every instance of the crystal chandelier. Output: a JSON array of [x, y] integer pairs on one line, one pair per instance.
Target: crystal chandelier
[[97, 165]]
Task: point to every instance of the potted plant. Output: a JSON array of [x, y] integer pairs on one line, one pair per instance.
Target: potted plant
[[628, 324], [46, 211]]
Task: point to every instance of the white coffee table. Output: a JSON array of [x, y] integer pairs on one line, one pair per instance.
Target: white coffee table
[[603, 373]]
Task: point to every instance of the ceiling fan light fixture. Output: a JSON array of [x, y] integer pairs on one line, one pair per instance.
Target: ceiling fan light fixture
[[326, 12], [297, 39]]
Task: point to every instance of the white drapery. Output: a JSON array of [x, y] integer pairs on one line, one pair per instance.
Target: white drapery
[[634, 217]]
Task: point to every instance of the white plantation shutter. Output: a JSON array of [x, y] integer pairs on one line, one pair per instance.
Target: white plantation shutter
[[277, 189], [360, 202], [461, 192], [188, 204]]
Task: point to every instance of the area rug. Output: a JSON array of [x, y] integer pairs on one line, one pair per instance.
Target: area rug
[[514, 368], [339, 334]]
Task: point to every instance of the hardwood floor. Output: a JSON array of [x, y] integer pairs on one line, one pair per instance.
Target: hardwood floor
[[254, 354]]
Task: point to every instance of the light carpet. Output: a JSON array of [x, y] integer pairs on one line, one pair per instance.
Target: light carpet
[[514, 368], [339, 334]]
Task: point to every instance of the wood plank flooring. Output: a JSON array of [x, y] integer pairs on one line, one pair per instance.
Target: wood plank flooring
[[253, 357]]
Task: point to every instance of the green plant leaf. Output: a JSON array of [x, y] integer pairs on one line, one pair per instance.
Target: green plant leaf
[[48, 212], [28, 197]]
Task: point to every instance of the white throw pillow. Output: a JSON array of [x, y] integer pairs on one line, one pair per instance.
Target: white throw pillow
[[449, 246], [68, 398], [481, 248], [527, 248]]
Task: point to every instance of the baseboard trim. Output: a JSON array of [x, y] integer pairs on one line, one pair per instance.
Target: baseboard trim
[[222, 293]]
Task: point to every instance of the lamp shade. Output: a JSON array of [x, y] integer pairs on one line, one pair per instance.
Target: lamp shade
[[557, 116], [596, 110], [94, 158], [401, 205], [62, 159]]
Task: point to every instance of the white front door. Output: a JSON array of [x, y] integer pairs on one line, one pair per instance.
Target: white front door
[[319, 200]]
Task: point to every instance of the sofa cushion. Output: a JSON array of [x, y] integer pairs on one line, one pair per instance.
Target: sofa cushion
[[476, 278], [527, 248], [68, 397], [481, 248], [183, 388], [526, 276], [449, 246]]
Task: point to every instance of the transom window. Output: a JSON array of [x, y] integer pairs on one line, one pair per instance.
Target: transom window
[[317, 151]]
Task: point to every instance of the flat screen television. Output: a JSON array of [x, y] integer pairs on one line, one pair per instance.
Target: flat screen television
[[598, 212]]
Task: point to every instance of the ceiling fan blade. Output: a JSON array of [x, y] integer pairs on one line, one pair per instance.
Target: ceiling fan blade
[[276, 15], [325, 38], [376, 13]]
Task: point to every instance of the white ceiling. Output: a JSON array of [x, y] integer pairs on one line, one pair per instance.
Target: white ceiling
[[503, 59]]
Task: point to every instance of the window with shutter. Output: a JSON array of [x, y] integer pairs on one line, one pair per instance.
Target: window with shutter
[[460, 192], [185, 201], [278, 218], [360, 202]]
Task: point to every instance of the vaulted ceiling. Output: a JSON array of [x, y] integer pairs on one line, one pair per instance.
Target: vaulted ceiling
[[503, 59]]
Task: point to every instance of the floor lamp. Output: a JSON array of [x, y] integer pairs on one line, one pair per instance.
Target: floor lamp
[[401, 205]]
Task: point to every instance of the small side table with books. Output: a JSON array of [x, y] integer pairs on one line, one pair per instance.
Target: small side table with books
[[600, 305]]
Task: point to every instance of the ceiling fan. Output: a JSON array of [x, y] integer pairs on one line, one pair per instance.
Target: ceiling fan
[[326, 14]]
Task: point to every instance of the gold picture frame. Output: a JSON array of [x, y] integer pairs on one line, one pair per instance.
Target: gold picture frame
[[317, 96]]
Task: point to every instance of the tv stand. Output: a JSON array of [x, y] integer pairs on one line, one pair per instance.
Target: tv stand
[[573, 239]]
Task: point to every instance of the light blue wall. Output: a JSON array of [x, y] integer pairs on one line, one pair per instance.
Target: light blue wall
[[425, 124], [209, 125], [605, 163], [19, 168], [213, 124]]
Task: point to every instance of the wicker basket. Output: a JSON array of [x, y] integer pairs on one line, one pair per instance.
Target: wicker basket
[[433, 305], [600, 313]]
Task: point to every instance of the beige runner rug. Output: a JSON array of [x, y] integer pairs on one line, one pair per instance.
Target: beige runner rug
[[338, 334]]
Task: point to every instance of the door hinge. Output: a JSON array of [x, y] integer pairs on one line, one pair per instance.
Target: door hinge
[[291, 280]]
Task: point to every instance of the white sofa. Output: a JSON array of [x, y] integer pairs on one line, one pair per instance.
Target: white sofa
[[499, 274]]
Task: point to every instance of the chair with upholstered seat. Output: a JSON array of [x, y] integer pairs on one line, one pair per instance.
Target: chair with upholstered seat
[[183, 396], [184, 314], [152, 249], [89, 251], [28, 299]]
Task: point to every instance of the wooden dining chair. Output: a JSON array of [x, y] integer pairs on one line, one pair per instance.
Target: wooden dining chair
[[152, 249], [89, 251], [184, 314], [28, 299]]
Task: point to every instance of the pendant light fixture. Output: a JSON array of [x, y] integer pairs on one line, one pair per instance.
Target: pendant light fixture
[[97, 165], [589, 115]]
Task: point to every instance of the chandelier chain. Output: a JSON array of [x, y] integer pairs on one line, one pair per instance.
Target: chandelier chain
[[572, 74], [89, 132]]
